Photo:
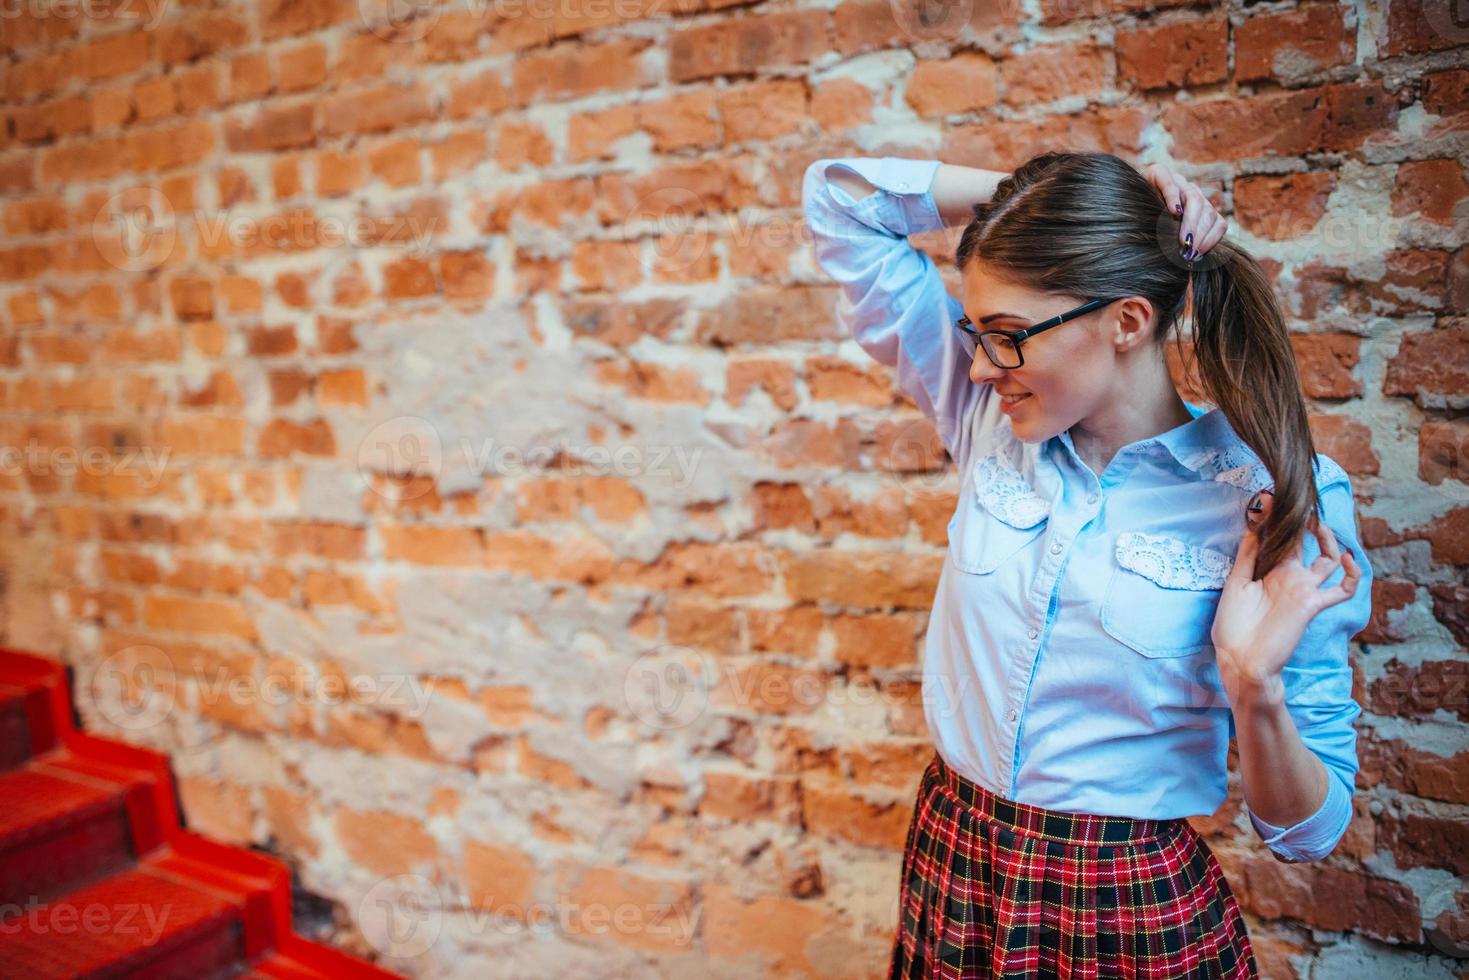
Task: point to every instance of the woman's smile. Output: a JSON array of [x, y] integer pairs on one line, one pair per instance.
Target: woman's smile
[[1008, 402]]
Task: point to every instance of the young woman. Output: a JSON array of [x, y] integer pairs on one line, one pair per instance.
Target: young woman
[[1130, 580]]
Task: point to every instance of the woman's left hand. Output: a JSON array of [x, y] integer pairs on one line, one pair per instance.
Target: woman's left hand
[[1200, 224], [1258, 625]]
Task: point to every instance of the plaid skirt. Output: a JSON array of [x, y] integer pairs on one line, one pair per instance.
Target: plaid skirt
[[996, 889]]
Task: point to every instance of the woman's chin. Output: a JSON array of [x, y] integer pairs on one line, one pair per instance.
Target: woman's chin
[[1029, 429]]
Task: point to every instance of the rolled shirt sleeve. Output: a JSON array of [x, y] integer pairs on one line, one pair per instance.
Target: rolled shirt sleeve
[[895, 305], [1318, 690]]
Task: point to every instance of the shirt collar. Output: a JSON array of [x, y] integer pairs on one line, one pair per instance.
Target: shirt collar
[[1193, 443]]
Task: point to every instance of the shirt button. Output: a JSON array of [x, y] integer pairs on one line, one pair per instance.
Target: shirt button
[[1091, 498], [1033, 633], [1055, 549], [1012, 714]]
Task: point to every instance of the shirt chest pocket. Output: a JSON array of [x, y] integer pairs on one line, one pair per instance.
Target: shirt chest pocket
[[1161, 597], [996, 518]]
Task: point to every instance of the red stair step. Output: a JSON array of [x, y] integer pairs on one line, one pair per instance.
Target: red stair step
[[39, 686], [196, 908], [57, 833], [136, 923], [15, 737]]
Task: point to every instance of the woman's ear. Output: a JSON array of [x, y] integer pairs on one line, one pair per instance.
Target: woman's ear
[[1134, 327]]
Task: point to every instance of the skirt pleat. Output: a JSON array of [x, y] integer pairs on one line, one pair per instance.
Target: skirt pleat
[[991, 889]]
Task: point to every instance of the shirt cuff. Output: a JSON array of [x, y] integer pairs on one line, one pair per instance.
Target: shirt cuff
[[908, 184], [1314, 837]]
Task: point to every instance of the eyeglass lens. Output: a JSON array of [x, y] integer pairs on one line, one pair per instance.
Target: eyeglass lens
[[1002, 350]]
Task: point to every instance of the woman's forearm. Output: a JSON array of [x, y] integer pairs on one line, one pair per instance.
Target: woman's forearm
[[956, 190], [1284, 782]]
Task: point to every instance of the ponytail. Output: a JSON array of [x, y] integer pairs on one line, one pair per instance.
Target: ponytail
[[1247, 367]]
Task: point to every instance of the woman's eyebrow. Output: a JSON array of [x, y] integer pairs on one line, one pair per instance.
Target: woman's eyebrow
[[1001, 316]]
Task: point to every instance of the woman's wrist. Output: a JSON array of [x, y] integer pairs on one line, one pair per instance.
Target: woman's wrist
[[1251, 692]]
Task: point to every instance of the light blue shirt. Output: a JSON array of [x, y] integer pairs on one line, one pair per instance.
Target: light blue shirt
[[1068, 661]]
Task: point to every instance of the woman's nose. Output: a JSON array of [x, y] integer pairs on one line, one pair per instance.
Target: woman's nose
[[983, 369]]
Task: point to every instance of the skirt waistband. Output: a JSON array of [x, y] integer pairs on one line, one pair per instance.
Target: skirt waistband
[[1083, 829]]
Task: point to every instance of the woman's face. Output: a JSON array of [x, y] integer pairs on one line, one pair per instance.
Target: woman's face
[[1069, 370]]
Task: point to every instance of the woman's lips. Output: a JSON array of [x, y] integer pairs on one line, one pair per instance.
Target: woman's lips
[[1007, 402]]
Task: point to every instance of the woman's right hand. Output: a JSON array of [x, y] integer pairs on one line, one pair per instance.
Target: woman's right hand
[[1200, 225]]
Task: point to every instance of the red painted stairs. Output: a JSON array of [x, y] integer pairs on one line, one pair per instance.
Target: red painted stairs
[[98, 877]]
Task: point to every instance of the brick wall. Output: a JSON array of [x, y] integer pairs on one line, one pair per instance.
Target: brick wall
[[433, 430]]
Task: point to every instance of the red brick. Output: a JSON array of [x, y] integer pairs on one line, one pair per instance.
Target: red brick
[[1175, 55], [1054, 72], [1415, 26], [1388, 596], [890, 640], [736, 797], [1443, 451], [281, 18], [1430, 362], [285, 437], [1294, 44], [763, 111], [363, 833], [272, 128], [785, 936], [1325, 363], [1346, 440], [1406, 769], [1424, 840], [576, 70], [522, 145], [1451, 607], [1431, 188], [1328, 898], [1421, 690], [499, 878], [842, 103], [1006, 145], [1282, 208], [741, 45], [833, 811], [866, 25], [1336, 117], [963, 83], [382, 109]]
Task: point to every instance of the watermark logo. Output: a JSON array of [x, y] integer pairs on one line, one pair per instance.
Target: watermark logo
[[932, 20], [668, 687], [401, 916], [1449, 19], [406, 447], [678, 244], [135, 687], [411, 450], [399, 21], [135, 230]]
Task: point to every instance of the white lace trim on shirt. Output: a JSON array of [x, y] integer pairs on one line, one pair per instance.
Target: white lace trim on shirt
[[1240, 467], [1173, 563], [1003, 489]]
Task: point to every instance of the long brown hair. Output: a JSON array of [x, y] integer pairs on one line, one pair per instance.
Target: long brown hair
[[1090, 225]]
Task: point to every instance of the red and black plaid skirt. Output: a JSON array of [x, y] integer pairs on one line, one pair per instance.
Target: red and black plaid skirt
[[996, 889]]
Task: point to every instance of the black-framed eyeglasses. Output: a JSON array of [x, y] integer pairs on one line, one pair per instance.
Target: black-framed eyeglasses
[[1003, 346]]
